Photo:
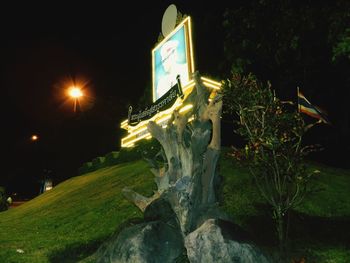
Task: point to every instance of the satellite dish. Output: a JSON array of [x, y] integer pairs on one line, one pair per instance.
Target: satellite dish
[[169, 20]]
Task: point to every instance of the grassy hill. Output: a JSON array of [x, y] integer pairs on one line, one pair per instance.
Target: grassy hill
[[68, 223], [71, 220]]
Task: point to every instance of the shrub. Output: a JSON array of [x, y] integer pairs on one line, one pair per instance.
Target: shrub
[[3, 199]]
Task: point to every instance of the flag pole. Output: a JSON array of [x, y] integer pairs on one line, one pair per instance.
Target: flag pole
[[298, 99]]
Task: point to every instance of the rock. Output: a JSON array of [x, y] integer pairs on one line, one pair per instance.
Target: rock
[[159, 209], [208, 244], [155, 242]]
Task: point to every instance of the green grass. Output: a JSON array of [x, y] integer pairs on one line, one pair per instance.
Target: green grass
[[319, 227], [77, 215], [68, 223]]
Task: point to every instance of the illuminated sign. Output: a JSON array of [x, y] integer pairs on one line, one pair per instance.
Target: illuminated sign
[[176, 50], [166, 101], [172, 58], [139, 131]]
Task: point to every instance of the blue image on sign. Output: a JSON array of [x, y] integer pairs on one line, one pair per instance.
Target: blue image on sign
[[170, 60]]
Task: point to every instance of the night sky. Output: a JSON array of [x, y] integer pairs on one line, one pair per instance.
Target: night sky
[[107, 47]]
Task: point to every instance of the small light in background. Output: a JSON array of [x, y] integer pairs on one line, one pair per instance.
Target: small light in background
[[34, 137]]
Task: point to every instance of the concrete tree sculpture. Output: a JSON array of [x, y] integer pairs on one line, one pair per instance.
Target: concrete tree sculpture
[[181, 218]]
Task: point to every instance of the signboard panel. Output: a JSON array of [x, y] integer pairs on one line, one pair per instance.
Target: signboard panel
[[165, 102], [171, 58]]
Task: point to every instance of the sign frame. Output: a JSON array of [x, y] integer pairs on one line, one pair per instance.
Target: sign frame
[[186, 26]]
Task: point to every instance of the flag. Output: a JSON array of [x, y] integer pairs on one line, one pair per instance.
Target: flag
[[306, 107]]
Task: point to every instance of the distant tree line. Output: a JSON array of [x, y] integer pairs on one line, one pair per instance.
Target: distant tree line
[[297, 43]]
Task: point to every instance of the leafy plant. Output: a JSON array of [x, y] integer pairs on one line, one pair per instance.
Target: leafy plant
[[274, 153], [3, 200]]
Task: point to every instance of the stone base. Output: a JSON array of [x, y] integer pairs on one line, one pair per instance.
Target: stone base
[[214, 242]]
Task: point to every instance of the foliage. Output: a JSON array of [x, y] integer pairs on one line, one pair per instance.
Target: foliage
[[274, 151], [284, 37], [297, 43], [145, 149], [342, 48], [142, 149], [3, 199]]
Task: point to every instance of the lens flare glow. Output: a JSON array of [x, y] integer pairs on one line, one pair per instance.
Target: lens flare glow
[[75, 92]]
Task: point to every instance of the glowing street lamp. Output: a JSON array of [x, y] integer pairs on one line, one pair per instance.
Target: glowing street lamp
[[75, 93], [34, 138]]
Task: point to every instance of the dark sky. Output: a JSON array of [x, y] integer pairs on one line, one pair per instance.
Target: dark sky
[[106, 45]]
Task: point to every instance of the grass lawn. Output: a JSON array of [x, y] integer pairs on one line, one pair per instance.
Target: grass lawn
[[68, 223], [319, 227]]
